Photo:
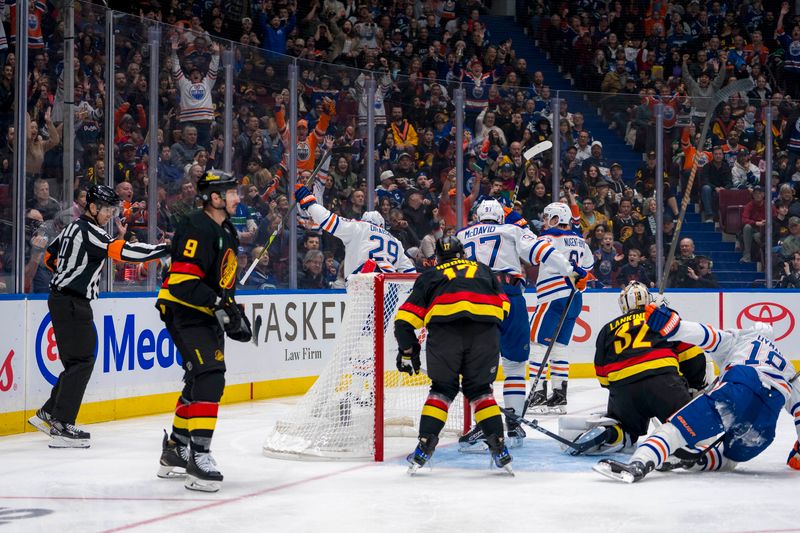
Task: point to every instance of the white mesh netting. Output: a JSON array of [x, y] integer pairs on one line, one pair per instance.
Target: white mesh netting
[[336, 417]]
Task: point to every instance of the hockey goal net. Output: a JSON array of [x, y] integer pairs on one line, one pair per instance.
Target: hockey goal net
[[360, 397]]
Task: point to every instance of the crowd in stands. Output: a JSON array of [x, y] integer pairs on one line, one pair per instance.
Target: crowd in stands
[[417, 52]]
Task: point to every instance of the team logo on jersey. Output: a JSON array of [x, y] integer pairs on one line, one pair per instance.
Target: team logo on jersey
[[33, 22], [303, 151], [227, 269], [794, 48], [779, 317], [219, 356], [197, 91], [669, 112], [477, 91]]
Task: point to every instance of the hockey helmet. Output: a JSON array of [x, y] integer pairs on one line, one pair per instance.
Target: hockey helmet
[[634, 295], [490, 210], [102, 195], [373, 217], [448, 247], [215, 181], [557, 210]]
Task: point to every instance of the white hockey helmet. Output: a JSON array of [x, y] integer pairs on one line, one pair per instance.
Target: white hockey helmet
[[491, 210], [373, 217], [633, 296], [559, 210]]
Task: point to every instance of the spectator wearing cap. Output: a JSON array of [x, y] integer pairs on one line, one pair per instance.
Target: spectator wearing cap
[[597, 159], [275, 30], [615, 181], [405, 136], [744, 174], [715, 176], [754, 220], [389, 189], [404, 169], [791, 243], [123, 168]]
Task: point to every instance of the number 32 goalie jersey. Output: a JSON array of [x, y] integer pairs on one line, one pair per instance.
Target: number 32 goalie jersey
[[363, 241]]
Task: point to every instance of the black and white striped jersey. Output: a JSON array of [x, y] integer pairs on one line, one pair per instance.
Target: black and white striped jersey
[[79, 252]]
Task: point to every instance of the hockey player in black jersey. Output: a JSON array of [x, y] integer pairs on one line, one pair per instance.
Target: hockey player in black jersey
[[462, 305], [646, 376], [197, 305]]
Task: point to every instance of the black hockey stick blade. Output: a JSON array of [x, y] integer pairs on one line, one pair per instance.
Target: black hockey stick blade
[[579, 448]]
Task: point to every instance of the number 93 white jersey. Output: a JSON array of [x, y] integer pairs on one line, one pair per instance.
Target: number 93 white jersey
[[501, 246], [363, 241]]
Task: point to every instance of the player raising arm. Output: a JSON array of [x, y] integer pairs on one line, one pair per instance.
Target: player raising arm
[[363, 239], [736, 418], [501, 246]]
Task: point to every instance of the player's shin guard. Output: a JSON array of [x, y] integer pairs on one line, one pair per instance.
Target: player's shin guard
[[180, 422], [539, 398], [434, 414], [514, 398], [202, 419], [660, 445], [487, 415]]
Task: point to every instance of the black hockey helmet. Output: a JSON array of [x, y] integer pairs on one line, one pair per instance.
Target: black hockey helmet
[[448, 247], [215, 181], [102, 195]]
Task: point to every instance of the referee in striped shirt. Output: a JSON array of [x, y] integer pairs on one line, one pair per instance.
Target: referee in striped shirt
[[77, 257]]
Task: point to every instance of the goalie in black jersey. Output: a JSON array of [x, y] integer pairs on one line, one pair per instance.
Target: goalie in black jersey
[[646, 376], [462, 305]]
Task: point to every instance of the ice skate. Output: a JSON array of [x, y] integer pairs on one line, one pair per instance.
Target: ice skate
[[41, 421], [422, 453], [625, 472], [202, 473], [67, 436], [557, 403], [538, 404], [500, 456], [473, 442], [174, 459], [516, 434]]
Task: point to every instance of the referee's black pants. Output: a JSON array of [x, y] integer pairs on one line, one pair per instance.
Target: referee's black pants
[[76, 339]]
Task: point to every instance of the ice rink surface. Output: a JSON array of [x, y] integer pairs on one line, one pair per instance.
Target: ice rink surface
[[112, 486]]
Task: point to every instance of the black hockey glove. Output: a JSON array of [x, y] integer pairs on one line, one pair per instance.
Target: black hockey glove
[[233, 320], [408, 360]]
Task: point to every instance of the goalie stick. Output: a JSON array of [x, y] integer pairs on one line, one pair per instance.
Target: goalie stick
[[579, 448], [719, 97], [308, 183]]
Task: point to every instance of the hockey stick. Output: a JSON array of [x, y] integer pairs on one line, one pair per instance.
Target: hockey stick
[[308, 183], [561, 320], [719, 97], [529, 154], [579, 448]]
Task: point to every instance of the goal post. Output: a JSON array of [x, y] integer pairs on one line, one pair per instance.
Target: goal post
[[360, 399]]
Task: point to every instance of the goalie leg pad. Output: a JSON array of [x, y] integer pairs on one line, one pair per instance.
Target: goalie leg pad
[[605, 431]]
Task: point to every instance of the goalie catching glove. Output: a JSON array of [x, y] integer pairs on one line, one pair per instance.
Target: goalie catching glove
[[662, 319], [304, 197], [408, 360], [233, 320], [794, 456]]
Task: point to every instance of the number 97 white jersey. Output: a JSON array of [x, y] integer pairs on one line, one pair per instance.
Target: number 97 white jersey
[[363, 241]]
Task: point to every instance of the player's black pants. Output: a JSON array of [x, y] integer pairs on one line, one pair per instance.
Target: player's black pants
[[634, 404], [76, 339], [201, 342]]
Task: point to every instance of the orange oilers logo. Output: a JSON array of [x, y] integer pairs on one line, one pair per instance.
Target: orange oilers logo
[[227, 269]]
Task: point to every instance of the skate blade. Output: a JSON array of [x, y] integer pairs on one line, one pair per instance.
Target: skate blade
[[505, 470], [39, 424], [605, 470], [515, 442], [478, 447], [508, 471], [61, 442], [540, 410], [557, 410], [171, 472], [202, 485]]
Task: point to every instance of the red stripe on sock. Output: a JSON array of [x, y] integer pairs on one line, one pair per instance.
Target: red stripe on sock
[[203, 409], [439, 404]]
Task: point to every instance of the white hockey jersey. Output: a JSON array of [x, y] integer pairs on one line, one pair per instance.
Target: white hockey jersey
[[753, 347], [363, 241], [551, 284], [501, 246], [195, 98]]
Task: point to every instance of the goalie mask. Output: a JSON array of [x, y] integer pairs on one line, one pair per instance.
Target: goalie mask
[[491, 211], [634, 295], [557, 210], [373, 217]]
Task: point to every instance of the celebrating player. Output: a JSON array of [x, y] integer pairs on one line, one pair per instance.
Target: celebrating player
[[462, 304], [198, 308], [733, 422], [552, 294], [368, 237], [646, 376], [500, 246]]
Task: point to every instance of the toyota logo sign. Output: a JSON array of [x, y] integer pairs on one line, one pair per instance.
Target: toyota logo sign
[[776, 315]]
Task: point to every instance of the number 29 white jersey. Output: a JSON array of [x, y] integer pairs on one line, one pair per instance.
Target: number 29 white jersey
[[363, 241], [551, 283], [501, 246]]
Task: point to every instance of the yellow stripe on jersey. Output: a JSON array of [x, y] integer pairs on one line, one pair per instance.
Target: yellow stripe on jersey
[[164, 294], [434, 412], [174, 279], [637, 369], [411, 318], [689, 353], [467, 307]]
